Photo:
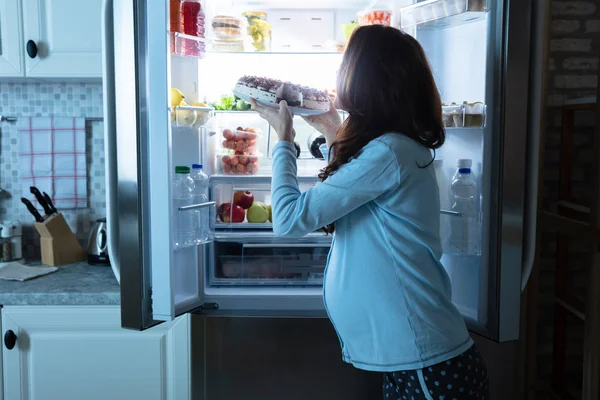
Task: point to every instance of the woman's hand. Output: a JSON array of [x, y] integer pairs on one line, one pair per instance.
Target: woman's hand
[[327, 124], [281, 120]]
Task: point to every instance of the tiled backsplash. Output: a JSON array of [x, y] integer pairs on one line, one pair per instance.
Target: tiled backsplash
[[59, 100]]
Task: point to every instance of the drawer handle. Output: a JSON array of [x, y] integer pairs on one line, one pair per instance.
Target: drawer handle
[[32, 49], [10, 339]]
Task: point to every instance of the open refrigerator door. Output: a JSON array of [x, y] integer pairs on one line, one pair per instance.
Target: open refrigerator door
[[174, 107]]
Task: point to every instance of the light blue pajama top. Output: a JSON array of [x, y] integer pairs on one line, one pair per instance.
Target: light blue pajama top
[[385, 290]]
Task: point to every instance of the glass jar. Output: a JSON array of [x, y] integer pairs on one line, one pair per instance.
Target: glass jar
[[259, 30]]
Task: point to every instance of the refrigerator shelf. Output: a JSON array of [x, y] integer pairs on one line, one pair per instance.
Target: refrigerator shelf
[[255, 179], [243, 225], [191, 116], [187, 45], [292, 52], [439, 14]]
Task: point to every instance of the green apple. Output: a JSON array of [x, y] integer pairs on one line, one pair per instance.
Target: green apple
[[258, 213], [270, 213]]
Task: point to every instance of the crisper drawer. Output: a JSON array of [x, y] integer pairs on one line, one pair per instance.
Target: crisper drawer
[[245, 203], [247, 262]]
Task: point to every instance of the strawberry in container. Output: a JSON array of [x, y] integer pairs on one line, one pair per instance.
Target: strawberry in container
[[375, 17], [241, 146]]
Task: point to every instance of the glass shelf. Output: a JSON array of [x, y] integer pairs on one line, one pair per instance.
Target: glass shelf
[[242, 225], [438, 14], [299, 52]]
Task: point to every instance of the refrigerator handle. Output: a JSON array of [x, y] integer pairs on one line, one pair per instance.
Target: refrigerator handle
[[537, 78], [110, 134]]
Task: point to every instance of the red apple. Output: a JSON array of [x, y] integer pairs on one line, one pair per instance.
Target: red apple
[[228, 134], [232, 214], [243, 199]]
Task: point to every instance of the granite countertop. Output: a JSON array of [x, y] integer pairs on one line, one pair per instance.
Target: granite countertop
[[73, 284]]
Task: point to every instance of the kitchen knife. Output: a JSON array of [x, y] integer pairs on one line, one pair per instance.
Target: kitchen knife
[[38, 217], [50, 203], [35, 191]]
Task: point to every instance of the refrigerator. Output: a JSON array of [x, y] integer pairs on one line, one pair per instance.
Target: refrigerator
[[481, 55]]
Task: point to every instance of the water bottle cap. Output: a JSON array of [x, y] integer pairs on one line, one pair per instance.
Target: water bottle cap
[[464, 163], [464, 170], [196, 166], [182, 170]]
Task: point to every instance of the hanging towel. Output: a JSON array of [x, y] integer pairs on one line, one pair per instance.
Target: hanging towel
[[53, 159]]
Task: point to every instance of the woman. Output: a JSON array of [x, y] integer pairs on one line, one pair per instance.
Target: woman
[[385, 290]]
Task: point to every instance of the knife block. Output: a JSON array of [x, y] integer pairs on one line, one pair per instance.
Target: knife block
[[59, 244]]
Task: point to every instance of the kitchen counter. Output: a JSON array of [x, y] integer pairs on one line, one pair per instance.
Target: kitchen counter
[[73, 284]]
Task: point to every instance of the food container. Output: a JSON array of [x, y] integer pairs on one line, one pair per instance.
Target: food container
[[244, 140], [203, 116], [259, 30], [474, 115], [227, 28], [228, 46], [450, 113], [375, 17], [239, 164]]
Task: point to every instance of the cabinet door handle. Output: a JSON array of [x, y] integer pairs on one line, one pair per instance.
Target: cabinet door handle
[[32, 49], [10, 339]]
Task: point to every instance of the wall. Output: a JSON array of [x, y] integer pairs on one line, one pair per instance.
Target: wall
[[51, 99], [573, 72]]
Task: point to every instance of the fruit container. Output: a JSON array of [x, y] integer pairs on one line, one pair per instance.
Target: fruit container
[[375, 17], [244, 140], [259, 30], [239, 164], [186, 115]]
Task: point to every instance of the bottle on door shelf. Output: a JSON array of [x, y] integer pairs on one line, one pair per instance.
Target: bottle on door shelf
[[193, 24], [465, 229], [174, 20], [183, 195], [200, 195]]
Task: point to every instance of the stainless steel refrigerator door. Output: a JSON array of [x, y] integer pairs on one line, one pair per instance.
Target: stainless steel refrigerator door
[[509, 164], [138, 137]]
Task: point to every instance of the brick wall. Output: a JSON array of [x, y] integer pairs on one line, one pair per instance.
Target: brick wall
[[573, 72]]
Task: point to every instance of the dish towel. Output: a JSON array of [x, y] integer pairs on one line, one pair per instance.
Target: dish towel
[[52, 158], [19, 272]]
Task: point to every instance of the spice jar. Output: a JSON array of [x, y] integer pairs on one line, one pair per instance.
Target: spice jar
[[259, 29]]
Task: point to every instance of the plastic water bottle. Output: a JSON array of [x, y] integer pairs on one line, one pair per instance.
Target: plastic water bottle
[[201, 196], [465, 232], [183, 195]]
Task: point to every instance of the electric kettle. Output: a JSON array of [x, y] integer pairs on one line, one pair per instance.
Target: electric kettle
[[97, 248]]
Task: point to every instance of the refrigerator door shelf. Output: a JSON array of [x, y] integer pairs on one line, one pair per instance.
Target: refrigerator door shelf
[[439, 14]]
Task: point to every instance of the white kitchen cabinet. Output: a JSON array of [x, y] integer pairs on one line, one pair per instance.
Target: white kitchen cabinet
[[11, 39], [67, 35], [83, 353]]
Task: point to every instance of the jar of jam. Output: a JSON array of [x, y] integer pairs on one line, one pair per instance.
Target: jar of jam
[[259, 30]]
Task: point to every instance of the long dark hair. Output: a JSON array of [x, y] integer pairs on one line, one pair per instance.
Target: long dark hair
[[386, 85]]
